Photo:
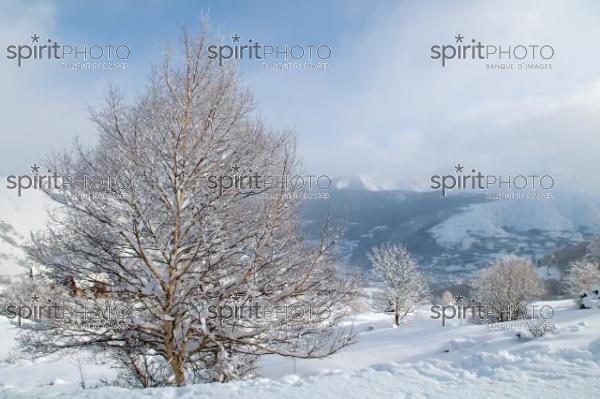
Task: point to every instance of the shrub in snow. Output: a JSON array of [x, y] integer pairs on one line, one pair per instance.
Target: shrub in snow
[[405, 286], [582, 279], [506, 287], [540, 329], [536, 330], [591, 299]]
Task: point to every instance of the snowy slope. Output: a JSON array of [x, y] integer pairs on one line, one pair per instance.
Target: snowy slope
[[18, 217], [566, 215], [421, 359]]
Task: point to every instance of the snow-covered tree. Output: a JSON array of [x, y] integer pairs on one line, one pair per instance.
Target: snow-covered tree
[[163, 242], [593, 254], [590, 299], [583, 277], [447, 298], [405, 285], [507, 286]]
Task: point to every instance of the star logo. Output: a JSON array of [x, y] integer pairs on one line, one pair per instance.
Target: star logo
[[238, 296], [459, 38], [35, 168], [459, 168], [35, 38], [235, 168], [459, 298], [236, 38], [35, 297]]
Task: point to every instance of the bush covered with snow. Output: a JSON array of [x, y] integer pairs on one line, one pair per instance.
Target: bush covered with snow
[[507, 286], [581, 282], [591, 299], [536, 330]]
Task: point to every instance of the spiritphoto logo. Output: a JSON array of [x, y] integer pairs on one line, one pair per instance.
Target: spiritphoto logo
[[474, 310], [94, 56], [93, 314], [274, 57], [499, 56], [277, 317], [273, 186], [519, 186], [71, 185]]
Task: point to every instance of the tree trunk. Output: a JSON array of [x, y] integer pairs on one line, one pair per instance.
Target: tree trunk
[[174, 356]]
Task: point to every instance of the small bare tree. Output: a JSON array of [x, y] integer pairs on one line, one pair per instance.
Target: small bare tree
[[163, 241], [406, 287], [507, 286], [583, 277]]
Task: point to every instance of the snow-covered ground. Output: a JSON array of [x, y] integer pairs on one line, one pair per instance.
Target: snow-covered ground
[[421, 359]]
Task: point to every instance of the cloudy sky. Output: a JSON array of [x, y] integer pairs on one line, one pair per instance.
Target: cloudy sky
[[383, 108]]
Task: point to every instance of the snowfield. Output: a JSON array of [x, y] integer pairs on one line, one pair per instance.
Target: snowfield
[[420, 359]]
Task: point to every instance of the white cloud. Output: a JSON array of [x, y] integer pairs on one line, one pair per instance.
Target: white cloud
[[387, 109]]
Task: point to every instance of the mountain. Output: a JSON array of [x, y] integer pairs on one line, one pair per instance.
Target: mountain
[[456, 235]]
